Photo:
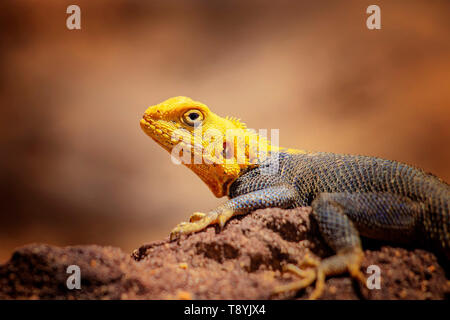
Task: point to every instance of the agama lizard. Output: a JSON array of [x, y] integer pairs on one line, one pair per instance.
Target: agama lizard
[[350, 195]]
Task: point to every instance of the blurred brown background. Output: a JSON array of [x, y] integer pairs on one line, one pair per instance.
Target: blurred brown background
[[75, 167]]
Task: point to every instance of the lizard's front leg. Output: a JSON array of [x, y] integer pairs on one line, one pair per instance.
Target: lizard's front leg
[[282, 196]]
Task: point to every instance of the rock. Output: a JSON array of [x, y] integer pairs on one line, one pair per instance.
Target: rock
[[242, 261]]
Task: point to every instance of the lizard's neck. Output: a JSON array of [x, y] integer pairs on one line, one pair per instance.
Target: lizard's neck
[[239, 155]]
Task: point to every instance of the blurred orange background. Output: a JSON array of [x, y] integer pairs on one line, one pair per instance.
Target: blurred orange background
[[75, 167]]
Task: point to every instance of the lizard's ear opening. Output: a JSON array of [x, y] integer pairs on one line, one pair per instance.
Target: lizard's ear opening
[[192, 117]]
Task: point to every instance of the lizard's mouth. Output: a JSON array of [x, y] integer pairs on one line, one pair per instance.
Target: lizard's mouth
[[157, 132], [147, 125]]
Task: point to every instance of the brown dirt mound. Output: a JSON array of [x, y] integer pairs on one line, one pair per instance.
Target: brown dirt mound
[[243, 261]]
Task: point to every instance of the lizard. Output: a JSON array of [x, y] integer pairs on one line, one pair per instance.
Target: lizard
[[350, 195]]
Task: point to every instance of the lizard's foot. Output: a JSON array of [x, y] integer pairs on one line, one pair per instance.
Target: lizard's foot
[[199, 221], [307, 275], [337, 264]]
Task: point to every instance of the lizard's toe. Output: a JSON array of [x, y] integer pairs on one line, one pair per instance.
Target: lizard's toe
[[177, 231], [224, 217], [196, 216], [307, 278], [354, 265], [201, 223]]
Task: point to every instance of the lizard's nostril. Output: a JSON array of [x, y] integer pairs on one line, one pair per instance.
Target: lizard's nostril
[[153, 113]]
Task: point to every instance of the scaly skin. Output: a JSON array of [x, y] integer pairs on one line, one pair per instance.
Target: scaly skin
[[350, 195]]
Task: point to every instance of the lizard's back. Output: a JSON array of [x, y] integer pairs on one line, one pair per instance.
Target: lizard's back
[[316, 173]]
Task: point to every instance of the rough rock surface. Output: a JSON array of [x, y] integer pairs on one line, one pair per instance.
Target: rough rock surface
[[243, 261]]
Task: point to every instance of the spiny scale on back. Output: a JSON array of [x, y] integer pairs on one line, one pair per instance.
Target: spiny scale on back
[[350, 195]]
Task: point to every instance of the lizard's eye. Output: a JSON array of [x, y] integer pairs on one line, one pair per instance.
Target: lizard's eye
[[193, 117]]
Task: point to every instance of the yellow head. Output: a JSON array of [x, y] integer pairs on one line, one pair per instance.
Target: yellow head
[[217, 149]]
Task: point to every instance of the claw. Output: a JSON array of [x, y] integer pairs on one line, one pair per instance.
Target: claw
[[224, 217], [173, 236], [175, 233], [320, 285], [222, 221]]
